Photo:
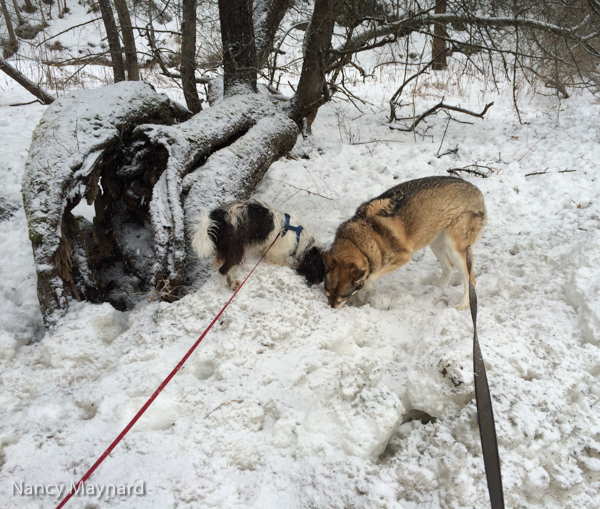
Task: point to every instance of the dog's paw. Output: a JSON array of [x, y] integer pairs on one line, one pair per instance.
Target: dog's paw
[[442, 282], [234, 284], [463, 304]]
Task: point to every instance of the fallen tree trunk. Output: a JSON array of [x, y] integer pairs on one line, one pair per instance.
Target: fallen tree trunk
[[75, 151], [26, 83], [186, 147], [133, 172]]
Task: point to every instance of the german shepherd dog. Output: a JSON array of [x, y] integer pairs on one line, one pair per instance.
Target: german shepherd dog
[[241, 227], [446, 213]]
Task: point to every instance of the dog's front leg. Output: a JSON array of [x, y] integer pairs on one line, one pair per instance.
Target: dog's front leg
[[360, 298]]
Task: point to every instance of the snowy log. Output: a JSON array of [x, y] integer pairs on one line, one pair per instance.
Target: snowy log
[[117, 148], [186, 146], [233, 172], [77, 144]]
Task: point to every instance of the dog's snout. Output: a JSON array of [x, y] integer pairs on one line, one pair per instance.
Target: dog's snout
[[336, 302]]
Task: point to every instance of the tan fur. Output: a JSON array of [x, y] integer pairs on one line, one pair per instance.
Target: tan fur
[[446, 213]]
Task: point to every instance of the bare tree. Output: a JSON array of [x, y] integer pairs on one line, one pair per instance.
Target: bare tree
[[113, 39], [312, 90], [188, 55], [131, 61], [29, 7], [239, 49], [13, 43], [438, 47], [18, 13]]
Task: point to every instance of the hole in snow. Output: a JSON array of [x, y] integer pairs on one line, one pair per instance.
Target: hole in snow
[[418, 415]]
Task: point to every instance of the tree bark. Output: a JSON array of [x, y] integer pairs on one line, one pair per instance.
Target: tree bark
[[239, 51], [438, 48], [131, 61], [19, 18], [29, 7], [188, 56], [13, 43], [312, 91], [267, 16], [113, 39], [26, 83]]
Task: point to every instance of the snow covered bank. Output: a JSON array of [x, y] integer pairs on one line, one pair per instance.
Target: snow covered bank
[[288, 403]]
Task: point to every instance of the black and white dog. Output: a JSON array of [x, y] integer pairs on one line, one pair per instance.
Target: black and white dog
[[241, 227]]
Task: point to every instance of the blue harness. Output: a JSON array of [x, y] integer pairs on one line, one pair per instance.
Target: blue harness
[[289, 227]]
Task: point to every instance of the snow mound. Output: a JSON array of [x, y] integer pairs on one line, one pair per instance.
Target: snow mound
[[354, 413], [582, 290]]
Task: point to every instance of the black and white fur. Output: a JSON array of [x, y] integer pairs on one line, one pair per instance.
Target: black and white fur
[[241, 227]]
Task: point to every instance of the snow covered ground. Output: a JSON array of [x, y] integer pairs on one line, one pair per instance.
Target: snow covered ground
[[290, 404]]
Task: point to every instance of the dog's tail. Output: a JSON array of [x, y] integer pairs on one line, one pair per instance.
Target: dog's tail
[[203, 236]]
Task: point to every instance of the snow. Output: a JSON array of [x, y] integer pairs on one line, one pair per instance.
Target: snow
[[289, 403]]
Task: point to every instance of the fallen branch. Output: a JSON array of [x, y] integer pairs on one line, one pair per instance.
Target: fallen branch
[[441, 106], [545, 172], [26, 83], [455, 171], [299, 188], [448, 152], [25, 104]]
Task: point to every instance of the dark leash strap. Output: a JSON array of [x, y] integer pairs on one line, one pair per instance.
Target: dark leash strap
[[485, 412], [289, 227]]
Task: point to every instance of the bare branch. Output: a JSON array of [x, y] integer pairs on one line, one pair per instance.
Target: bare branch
[[26, 83], [437, 107]]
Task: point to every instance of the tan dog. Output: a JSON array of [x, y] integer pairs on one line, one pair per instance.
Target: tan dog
[[446, 213]]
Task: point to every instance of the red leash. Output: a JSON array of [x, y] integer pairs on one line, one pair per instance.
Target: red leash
[[158, 391]]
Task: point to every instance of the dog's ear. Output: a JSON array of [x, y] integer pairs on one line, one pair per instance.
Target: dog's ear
[[358, 276], [312, 267], [329, 261]]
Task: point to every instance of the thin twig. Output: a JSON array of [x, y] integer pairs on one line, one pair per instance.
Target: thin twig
[[27, 104], [454, 171], [374, 141], [65, 31], [441, 106], [448, 152], [299, 188]]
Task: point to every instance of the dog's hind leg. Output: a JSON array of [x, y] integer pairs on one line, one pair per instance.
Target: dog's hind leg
[[228, 280], [225, 271], [441, 247], [460, 260], [464, 232]]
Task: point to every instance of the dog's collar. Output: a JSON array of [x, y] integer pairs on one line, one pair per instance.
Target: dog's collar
[[298, 229]]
